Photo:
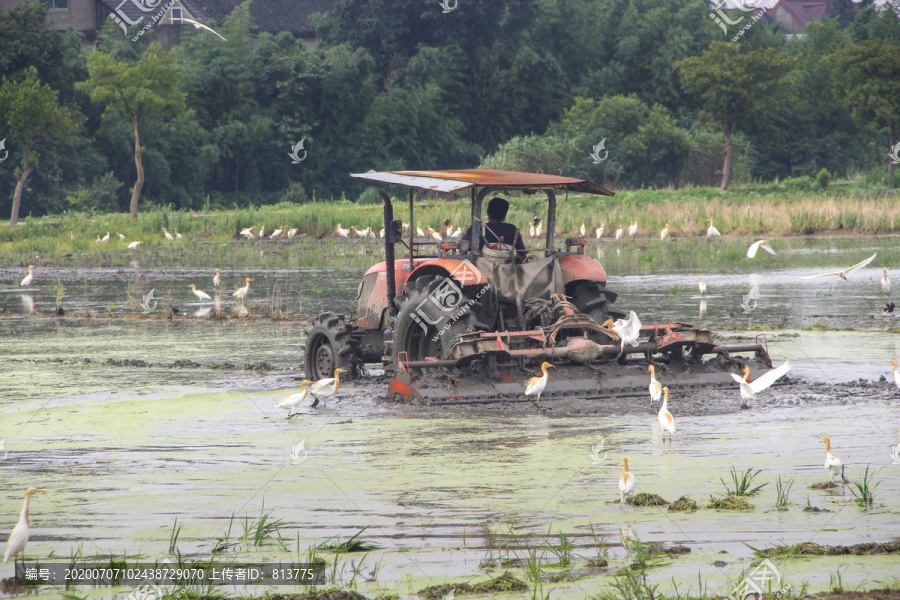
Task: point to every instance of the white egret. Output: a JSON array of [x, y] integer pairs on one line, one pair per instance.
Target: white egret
[[626, 483], [328, 387], [885, 282], [275, 234], [134, 245], [241, 293], [178, 236], [289, 402], [849, 270], [200, 293], [619, 233], [750, 388], [627, 330], [169, 236], [536, 385], [247, 232], [832, 462], [262, 232], [896, 372], [419, 232], [457, 233], [582, 229], [538, 228], [121, 237], [435, 235], [381, 233], [701, 285], [664, 233], [292, 232], [666, 420], [531, 230], [599, 230], [449, 226], [633, 229], [341, 231], [19, 536], [764, 244], [712, 231], [28, 278], [217, 280], [655, 386], [105, 238], [198, 25]]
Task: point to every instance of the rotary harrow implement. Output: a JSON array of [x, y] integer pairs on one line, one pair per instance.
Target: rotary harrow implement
[[470, 321]]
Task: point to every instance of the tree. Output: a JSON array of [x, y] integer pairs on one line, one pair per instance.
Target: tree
[[31, 113], [733, 86], [868, 79], [147, 88]]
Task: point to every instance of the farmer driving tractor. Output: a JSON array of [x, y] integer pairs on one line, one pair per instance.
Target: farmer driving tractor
[[496, 231]]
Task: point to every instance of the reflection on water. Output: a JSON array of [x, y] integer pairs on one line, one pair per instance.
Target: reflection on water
[[27, 303]]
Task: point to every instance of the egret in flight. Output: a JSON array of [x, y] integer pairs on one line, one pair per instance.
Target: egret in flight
[[750, 388], [848, 271], [755, 246]]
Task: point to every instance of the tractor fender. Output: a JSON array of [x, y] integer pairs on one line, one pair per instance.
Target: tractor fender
[[578, 267], [461, 270]]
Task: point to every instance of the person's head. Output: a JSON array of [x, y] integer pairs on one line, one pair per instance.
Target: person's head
[[497, 209]]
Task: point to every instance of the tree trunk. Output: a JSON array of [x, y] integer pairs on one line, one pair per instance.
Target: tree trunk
[[138, 162], [891, 165], [726, 168], [20, 186]]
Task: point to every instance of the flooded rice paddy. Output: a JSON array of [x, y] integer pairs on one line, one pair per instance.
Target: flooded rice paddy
[[134, 422]]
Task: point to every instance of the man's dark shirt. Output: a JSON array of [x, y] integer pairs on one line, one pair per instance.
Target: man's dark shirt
[[506, 232]]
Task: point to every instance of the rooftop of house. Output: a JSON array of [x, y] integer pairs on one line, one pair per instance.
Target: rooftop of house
[[804, 10]]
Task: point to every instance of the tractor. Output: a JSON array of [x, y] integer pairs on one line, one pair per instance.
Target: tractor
[[457, 322]]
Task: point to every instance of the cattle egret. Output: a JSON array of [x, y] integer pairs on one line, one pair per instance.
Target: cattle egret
[[536, 385], [849, 270], [19, 536], [121, 237], [341, 231], [599, 231], [764, 244], [435, 235], [627, 330], [28, 278], [292, 232], [626, 483], [582, 229], [832, 462], [198, 25], [200, 293], [381, 233], [712, 231], [666, 420], [655, 386], [457, 233], [885, 282], [178, 236], [449, 227], [241, 293], [289, 402], [326, 388], [531, 230], [751, 388], [538, 228], [169, 236], [619, 233], [896, 372], [664, 233], [701, 285], [247, 232], [419, 232], [105, 238], [262, 232], [134, 245], [217, 280], [633, 229], [275, 234]]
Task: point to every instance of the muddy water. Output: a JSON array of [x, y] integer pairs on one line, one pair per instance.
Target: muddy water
[[127, 450]]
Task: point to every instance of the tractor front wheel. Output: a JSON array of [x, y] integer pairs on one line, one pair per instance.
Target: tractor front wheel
[[331, 343]]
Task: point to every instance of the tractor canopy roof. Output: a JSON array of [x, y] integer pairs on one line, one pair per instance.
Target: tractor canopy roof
[[463, 179]]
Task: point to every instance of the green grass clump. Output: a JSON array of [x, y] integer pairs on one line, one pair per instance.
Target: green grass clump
[[863, 489], [643, 499], [684, 504], [742, 483], [351, 545], [729, 503]]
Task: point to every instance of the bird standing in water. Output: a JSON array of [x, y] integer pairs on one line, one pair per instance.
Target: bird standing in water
[[832, 462], [655, 386], [241, 293], [19, 536], [666, 420], [536, 385], [626, 483], [328, 387], [28, 278]]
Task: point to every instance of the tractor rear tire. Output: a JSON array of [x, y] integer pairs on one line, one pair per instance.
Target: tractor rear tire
[[593, 299], [332, 343], [423, 327]]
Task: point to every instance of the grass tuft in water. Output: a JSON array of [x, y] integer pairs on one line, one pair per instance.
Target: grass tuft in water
[[742, 483], [684, 504], [351, 545], [262, 528], [729, 503], [783, 491], [863, 489]]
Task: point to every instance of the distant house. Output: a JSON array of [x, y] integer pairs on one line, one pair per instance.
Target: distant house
[[88, 16], [793, 15]]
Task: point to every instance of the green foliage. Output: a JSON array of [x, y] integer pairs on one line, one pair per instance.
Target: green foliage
[[863, 489], [295, 194], [101, 196], [823, 179], [742, 483]]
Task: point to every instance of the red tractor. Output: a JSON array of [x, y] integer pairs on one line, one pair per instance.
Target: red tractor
[[468, 321]]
